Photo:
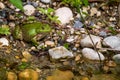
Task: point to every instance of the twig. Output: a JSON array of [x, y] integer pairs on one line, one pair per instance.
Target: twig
[[91, 38]]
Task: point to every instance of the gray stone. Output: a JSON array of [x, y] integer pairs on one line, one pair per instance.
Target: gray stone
[[77, 24], [112, 41], [91, 54], [60, 52], [116, 58], [86, 42]]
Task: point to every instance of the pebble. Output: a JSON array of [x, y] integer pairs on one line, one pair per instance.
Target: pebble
[[60, 52], [49, 43], [112, 19], [11, 24], [112, 41], [64, 15], [98, 13], [46, 1], [77, 24], [93, 11], [70, 39], [103, 33], [26, 55], [116, 58], [86, 42], [2, 6], [4, 42], [29, 9], [92, 54]]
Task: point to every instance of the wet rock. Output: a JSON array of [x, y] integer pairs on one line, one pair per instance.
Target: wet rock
[[91, 54], [45, 1], [112, 41], [11, 76], [26, 55], [64, 14], [61, 75], [4, 42], [28, 74], [29, 9], [116, 58], [60, 52], [86, 42]]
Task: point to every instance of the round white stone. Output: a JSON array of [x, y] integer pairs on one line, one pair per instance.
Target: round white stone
[[91, 54], [29, 9], [4, 41], [64, 15], [46, 1]]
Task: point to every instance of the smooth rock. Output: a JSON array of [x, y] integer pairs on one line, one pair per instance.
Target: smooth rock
[[45, 1], [26, 55], [2, 6], [60, 52], [49, 43], [4, 42], [64, 15], [86, 42], [116, 58], [91, 54], [112, 41], [11, 76], [29, 9], [61, 75]]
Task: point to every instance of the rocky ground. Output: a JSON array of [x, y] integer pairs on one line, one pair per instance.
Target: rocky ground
[[72, 50]]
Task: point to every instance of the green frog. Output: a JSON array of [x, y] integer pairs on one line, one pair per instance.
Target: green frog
[[31, 32]]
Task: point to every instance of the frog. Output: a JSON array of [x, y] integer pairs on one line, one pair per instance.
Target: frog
[[31, 32]]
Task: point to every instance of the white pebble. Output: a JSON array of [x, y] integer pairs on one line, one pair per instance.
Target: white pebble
[[2, 6], [91, 54], [46, 1], [29, 9], [4, 42], [64, 15], [49, 43]]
